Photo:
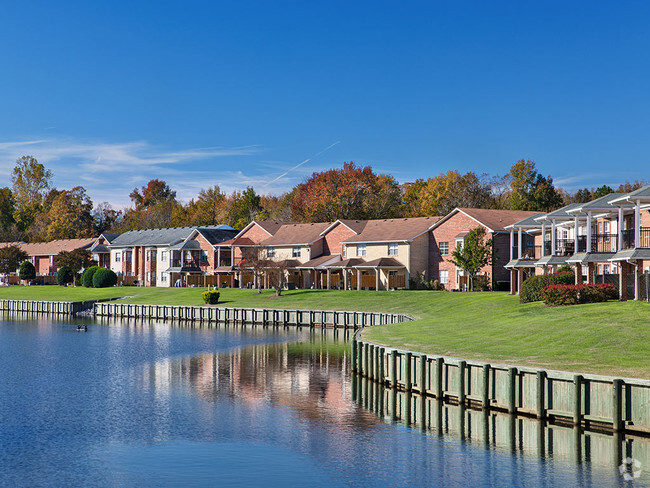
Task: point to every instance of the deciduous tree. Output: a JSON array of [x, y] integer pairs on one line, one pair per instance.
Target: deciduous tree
[[476, 252], [75, 260], [352, 192], [31, 181], [10, 259]]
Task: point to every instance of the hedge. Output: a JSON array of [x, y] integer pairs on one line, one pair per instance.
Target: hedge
[[103, 278], [64, 276], [574, 294], [211, 297], [531, 289], [87, 276]]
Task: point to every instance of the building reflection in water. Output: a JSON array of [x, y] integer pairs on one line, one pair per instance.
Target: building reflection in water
[[313, 378]]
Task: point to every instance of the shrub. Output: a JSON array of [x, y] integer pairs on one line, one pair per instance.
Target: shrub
[[26, 271], [64, 276], [531, 289], [103, 278], [211, 297], [573, 294], [482, 283], [87, 276]]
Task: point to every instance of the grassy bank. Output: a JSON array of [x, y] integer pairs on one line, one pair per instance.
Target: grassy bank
[[607, 338]]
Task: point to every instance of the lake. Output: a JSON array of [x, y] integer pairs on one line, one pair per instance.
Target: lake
[[156, 404]]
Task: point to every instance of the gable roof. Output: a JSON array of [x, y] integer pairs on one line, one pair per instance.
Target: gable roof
[[496, 220], [602, 203], [391, 230], [642, 194], [216, 235], [53, 248], [297, 234], [527, 223], [355, 226]]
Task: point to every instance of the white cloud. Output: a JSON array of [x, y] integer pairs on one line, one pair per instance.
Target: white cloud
[[110, 171]]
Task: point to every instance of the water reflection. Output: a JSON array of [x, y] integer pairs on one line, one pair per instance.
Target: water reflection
[[518, 435]]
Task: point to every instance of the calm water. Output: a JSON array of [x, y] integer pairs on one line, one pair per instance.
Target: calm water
[[150, 404]]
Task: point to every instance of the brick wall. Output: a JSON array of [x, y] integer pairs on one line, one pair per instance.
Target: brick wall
[[334, 238], [447, 232]]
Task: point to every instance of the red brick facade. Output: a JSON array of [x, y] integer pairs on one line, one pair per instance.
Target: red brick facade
[[334, 237]]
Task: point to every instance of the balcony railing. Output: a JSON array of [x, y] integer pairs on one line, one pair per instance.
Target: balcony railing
[[628, 238], [563, 247], [527, 252], [184, 263], [603, 242]]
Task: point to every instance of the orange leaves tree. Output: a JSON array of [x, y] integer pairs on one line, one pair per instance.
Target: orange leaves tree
[[351, 192]]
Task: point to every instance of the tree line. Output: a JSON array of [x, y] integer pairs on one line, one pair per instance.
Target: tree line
[[33, 210]]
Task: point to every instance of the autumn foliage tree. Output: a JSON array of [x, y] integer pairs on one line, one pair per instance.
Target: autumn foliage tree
[[351, 192]]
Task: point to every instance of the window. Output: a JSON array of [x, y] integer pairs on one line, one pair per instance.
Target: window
[[392, 249], [296, 252], [127, 256], [361, 249], [459, 244], [163, 276], [606, 269], [344, 250], [204, 255], [270, 252], [118, 257], [444, 276], [163, 256], [444, 248]]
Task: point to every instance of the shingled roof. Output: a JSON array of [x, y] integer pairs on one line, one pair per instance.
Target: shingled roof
[[494, 220], [391, 230], [53, 248], [296, 234]]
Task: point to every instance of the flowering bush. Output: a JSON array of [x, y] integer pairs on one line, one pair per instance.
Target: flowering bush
[[573, 294], [531, 288]]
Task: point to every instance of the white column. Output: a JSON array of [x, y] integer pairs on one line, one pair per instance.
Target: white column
[[377, 279], [329, 278], [345, 278], [589, 231], [519, 241], [553, 233], [637, 224], [575, 234], [358, 279], [543, 238], [619, 226], [408, 279], [218, 257], [512, 243], [636, 280]]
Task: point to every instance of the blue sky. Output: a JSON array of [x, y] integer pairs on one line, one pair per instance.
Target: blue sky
[[111, 94]]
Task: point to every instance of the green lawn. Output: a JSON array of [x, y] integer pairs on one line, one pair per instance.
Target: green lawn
[[607, 338]]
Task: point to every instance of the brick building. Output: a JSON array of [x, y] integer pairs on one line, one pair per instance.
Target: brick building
[[450, 232]]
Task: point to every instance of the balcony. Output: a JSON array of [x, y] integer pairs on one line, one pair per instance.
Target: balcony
[[563, 247], [184, 263], [527, 252], [628, 238]]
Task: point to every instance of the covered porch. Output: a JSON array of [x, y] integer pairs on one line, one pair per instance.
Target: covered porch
[[381, 274]]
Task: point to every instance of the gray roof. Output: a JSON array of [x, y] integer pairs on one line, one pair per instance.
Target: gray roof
[[631, 254], [560, 213], [528, 222], [110, 237], [642, 193], [590, 257], [551, 261], [218, 234], [602, 203], [164, 237], [521, 263]]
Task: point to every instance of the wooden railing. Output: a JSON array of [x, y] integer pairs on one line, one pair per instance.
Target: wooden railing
[[613, 403], [368, 281]]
